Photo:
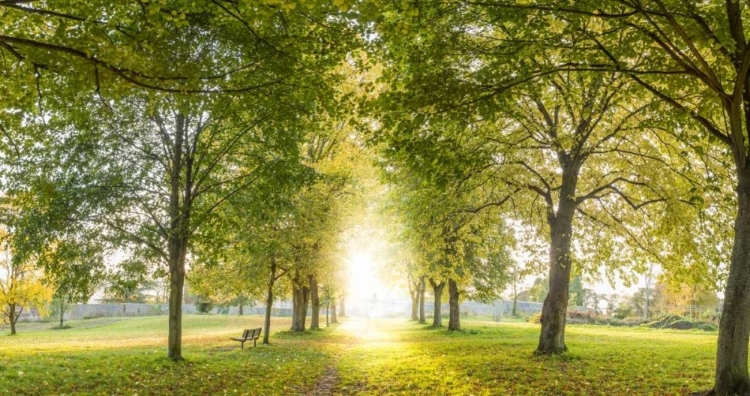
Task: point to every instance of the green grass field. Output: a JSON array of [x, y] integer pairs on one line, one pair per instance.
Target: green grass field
[[371, 357]]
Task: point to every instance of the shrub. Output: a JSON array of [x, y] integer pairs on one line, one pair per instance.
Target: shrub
[[634, 320], [535, 318], [63, 327], [204, 306], [680, 323], [580, 317]]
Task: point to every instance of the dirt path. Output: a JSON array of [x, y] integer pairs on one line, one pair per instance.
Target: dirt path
[[327, 382], [358, 331]]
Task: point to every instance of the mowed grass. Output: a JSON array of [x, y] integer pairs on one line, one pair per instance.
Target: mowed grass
[[496, 359], [128, 356], [370, 357]]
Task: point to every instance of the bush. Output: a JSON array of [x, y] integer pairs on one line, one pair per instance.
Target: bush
[[580, 317], [634, 320], [204, 306], [609, 321], [63, 327], [679, 323], [535, 318]]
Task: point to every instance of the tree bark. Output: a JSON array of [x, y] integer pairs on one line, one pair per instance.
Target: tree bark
[[454, 321], [314, 303], [299, 307], [734, 327], [269, 303], [241, 300], [305, 304], [177, 255], [437, 290], [342, 306], [422, 286], [13, 317], [555, 307], [177, 239], [334, 318], [554, 310], [62, 311], [515, 298], [414, 294]]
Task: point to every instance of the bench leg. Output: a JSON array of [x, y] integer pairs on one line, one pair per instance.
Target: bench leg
[[254, 345], [242, 344]]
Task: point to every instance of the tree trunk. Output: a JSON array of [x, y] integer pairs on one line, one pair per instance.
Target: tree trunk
[[454, 322], [241, 300], [731, 354], [269, 303], [414, 294], [437, 290], [515, 298], [342, 306], [62, 311], [648, 290], [422, 286], [176, 286], [334, 318], [314, 303], [13, 317], [299, 307], [177, 240], [305, 303], [554, 310]]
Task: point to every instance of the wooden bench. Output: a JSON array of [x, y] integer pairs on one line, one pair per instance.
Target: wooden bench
[[247, 335]]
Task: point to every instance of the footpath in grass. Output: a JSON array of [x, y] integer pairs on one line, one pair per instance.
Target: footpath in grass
[[360, 356]]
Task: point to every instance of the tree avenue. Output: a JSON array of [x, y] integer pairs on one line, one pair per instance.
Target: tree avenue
[[698, 65], [436, 244], [563, 146], [123, 55], [233, 144]]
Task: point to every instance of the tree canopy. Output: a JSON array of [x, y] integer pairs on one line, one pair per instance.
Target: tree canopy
[[235, 143]]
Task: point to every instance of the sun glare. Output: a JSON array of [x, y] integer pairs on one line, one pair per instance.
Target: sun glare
[[363, 282]]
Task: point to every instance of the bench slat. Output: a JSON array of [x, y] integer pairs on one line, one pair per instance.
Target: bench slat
[[247, 335]]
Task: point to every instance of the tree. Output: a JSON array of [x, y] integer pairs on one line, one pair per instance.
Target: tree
[[71, 259], [649, 280], [637, 302], [687, 300], [20, 287], [696, 67], [517, 273], [181, 142], [577, 294], [594, 300], [102, 46], [127, 283], [176, 162], [559, 146], [403, 263], [538, 290], [442, 244]]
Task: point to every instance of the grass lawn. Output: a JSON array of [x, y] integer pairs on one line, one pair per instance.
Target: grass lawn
[[128, 356], [376, 357], [496, 359]]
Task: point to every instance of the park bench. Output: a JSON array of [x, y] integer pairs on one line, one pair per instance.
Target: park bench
[[247, 335]]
